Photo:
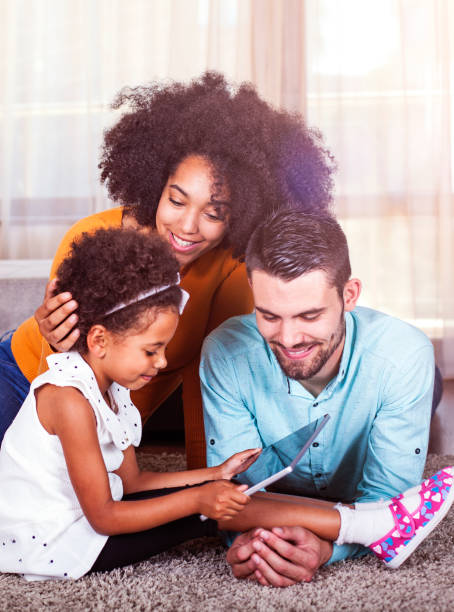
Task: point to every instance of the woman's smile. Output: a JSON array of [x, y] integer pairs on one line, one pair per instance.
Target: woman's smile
[[182, 245]]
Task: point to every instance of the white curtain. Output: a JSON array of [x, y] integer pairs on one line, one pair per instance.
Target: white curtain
[[380, 85], [62, 61], [377, 77]]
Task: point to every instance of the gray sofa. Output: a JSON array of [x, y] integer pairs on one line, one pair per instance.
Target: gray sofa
[[22, 284]]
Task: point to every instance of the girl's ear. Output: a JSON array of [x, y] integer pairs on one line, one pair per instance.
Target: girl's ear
[[97, 340]]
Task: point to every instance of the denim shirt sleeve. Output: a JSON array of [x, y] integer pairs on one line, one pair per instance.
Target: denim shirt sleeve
[[223, 408], [399, 438], [398, 441], [347, 551]]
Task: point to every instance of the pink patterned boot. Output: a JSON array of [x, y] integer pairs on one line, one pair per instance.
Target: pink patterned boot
[[436, 495]]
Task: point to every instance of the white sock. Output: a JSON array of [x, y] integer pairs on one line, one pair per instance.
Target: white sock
[[381, 503], [368, 525]]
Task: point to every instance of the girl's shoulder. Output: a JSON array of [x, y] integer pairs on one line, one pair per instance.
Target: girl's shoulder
[[121, 426], [58, 407]]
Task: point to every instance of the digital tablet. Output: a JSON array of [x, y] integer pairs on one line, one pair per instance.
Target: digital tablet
[[289, 468]]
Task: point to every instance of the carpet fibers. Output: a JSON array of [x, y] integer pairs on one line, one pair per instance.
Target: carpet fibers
[[195, 576]]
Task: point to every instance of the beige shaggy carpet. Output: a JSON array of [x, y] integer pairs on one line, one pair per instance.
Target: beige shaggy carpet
[[195, 576]]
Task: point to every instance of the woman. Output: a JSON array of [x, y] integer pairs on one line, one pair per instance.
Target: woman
[[200, 164]]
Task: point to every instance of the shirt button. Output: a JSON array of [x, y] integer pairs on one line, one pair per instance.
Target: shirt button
[[211, 441], [315, 404], [315, 444], [417, 451]]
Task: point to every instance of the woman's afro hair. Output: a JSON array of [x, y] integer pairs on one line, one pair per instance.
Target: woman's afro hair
[[266, 158], [112, 266]]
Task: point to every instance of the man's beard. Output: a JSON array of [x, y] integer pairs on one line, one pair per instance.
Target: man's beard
[[303, 371]]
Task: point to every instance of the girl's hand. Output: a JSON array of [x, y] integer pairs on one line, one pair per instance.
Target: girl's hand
[[56, 319], [221, 499], [237, 463]]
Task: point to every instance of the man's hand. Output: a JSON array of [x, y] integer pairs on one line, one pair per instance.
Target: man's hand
[[280, 557]]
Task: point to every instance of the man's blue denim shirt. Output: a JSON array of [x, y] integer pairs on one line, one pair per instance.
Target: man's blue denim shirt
[[375, 443]]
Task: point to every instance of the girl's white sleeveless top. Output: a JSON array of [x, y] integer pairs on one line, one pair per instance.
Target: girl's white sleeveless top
[[43, 531]]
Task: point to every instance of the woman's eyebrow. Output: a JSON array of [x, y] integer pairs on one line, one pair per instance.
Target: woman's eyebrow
[[174, 186], [213, 201]]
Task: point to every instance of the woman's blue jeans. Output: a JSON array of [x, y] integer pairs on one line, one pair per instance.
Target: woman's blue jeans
[[14, 387]]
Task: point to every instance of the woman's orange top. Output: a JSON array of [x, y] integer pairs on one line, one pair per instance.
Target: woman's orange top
[[218, 288]]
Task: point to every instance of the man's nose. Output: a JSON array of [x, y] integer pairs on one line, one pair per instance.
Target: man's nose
[[290, 333]]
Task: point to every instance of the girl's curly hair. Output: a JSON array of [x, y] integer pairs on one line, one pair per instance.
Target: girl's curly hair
[[115, 265], [264, 157]]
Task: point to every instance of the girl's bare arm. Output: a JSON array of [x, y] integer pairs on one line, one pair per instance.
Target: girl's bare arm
[[265, 510], [66, 413], [136, 480]]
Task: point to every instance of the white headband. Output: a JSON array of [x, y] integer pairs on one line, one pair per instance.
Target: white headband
[[184, 297]]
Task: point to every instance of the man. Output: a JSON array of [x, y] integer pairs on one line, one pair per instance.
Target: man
[[306, 351]]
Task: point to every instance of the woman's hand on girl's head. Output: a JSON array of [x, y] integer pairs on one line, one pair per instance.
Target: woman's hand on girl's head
[[237, 463], [221, 500], [56, 319]]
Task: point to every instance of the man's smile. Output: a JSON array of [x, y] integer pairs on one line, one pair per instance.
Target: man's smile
[[297, 353]]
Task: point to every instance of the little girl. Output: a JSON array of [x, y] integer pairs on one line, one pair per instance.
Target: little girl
[[73, 499]]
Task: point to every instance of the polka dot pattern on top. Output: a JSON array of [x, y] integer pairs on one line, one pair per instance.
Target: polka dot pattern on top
[[43, 531]]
